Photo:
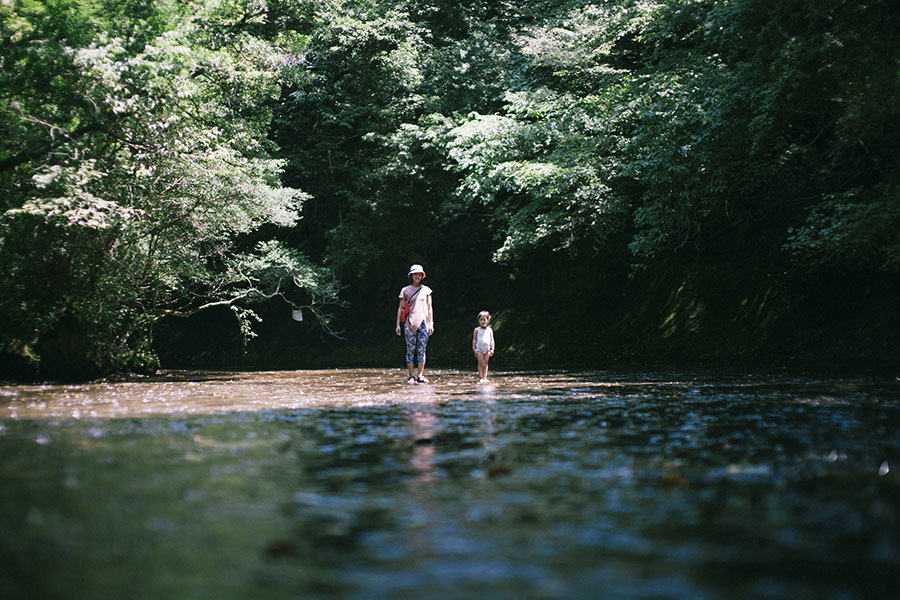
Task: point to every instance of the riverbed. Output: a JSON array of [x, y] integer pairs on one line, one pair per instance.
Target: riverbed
[[354, 484]]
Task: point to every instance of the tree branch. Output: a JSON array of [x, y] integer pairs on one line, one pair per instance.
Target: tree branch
[[11, 162]]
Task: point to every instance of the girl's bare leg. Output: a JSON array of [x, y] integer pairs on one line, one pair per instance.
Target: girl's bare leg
[[482, 365]]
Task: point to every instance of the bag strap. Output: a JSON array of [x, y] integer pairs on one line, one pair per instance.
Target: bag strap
[[410, 299]]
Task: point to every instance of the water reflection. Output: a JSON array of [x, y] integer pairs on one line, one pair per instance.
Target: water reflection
[[354, 484], [424, 452]]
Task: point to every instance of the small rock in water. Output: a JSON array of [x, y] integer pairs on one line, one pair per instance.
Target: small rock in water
[[280, 549], [497, 470], [884, 469]]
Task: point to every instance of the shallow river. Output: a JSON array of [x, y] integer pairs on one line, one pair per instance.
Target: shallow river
[[352, 484]]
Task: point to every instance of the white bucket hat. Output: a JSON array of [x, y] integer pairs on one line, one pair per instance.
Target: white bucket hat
[[416, 269]]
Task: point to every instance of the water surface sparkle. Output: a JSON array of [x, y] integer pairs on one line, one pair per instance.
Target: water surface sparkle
[[353, 484]]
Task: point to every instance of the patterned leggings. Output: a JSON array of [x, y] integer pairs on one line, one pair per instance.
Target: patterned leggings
[[415, 344]]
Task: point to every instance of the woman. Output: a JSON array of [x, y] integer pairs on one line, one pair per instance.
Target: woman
[[419, 323]]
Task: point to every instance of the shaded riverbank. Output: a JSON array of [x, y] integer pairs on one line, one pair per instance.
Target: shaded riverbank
[[576, 317]]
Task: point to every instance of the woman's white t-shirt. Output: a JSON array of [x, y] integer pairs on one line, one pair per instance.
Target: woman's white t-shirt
[[418, 308]]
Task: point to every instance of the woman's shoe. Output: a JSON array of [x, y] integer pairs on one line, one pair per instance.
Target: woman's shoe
[[422, 379], [411, 379]]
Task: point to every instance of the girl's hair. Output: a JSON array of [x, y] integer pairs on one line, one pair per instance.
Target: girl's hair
[[484, 313]]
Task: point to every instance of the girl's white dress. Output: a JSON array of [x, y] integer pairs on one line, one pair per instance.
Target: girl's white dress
[[484, 339]]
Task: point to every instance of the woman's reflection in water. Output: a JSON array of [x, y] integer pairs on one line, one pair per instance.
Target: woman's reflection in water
[[424, 425], [424, 451]]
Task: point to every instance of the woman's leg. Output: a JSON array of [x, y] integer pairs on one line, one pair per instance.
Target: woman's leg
[[410, 350], [421, 344]]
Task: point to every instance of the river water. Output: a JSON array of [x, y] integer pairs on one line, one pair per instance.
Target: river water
[[353, 484]]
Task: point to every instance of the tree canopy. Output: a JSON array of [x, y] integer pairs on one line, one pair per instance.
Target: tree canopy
[[157, 155]]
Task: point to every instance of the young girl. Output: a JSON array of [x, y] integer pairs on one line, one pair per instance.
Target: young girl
[[419, 322], [483, 344]]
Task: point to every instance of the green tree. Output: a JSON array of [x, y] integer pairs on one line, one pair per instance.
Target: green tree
[[362, 74], [702, 128], [548, 163], [365, 132], [145, 168]]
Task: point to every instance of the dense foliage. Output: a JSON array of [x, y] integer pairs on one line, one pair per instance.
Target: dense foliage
[[136, 163], [154, 154], [681, 122]]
